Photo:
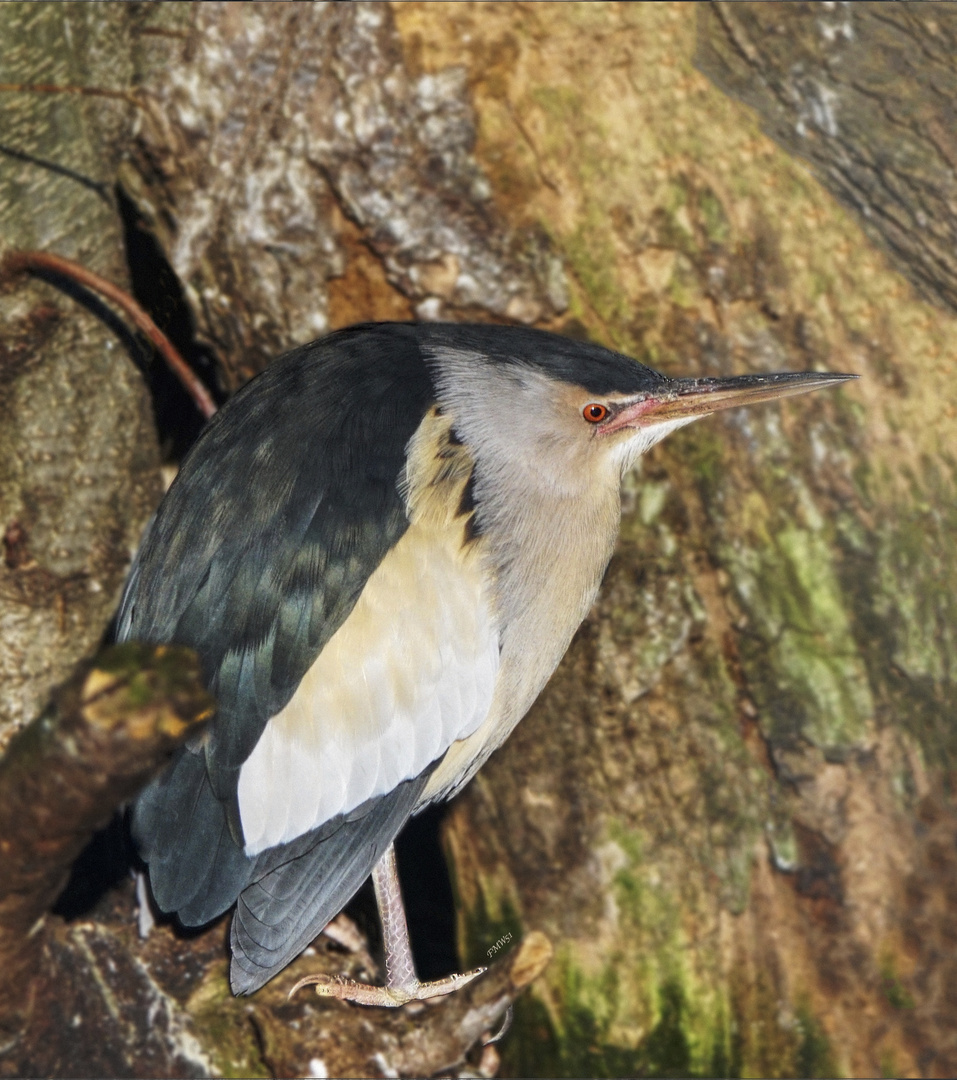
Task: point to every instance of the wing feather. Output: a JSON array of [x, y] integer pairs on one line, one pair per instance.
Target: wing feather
[[288, 905], [411, 671], [202, 875], [281, 512]]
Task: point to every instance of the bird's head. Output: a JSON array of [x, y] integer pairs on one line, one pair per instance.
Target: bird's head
[[567, 412]]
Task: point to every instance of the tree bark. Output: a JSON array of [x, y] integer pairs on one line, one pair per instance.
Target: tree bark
[[78, 456], [732, 809], [257, 188], [106, 733], [865, 94]]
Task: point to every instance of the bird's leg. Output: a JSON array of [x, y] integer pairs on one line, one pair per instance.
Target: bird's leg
[[399, 965], [402, 983]]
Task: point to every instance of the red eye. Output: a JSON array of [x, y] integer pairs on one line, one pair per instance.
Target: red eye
[[595, 413]]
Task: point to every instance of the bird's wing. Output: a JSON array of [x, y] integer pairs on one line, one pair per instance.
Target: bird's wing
[[410, 671], [298, 889], [347, 647], [279, 515]]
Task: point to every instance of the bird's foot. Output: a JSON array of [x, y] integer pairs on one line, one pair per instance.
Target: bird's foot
[[402, 984], [386, 996]]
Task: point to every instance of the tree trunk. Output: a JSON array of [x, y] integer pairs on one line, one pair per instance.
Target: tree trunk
[[78, 459], [732, 809]]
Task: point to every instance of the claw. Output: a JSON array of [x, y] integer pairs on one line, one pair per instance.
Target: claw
[[384, 996]]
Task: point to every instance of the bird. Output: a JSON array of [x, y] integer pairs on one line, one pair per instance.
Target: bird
[[380, 549]]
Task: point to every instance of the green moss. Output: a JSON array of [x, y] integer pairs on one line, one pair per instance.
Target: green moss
[[227, 1036], [492, 921], [567, 127], [800, 654], [666, 1050], [784, 845], [701, 449], [814, 1055], [582, 1045], [140, 691], [590, 255], [714, 220], [642, 1012], [671, 220], [558, 102], [149, 671], [532, 1047], [894, 990]]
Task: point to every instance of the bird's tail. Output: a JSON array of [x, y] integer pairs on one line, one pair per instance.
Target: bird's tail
[[289, 905]]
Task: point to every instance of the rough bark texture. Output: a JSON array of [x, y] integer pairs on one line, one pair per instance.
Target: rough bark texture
[[732, 809], [105, 734], [271, 125], [77, 447], [865, 93]]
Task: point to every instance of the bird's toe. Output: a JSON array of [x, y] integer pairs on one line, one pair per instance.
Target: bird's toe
[[385, 996]]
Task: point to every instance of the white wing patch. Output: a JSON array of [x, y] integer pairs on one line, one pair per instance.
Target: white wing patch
[[411, 671]]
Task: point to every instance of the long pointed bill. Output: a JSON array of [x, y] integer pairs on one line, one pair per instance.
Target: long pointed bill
[[687, 399]]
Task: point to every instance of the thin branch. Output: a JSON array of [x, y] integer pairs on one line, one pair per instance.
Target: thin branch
[[34, 261], [61, 170]]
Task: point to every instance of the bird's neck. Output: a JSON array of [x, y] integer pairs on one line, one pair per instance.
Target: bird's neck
[[546, 556], [549, 552], [543, 550]]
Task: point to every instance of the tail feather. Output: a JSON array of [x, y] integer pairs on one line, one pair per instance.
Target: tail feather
[[281, 913], [286, 894], [196, 867]]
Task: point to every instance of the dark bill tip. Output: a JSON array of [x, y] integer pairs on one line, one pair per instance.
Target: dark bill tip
[[698, 397], [690, 398]]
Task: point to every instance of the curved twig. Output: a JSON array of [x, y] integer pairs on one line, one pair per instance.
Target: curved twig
[[32, 261]]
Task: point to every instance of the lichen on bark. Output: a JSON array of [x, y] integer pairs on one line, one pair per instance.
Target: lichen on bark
[[734, 704], [732, 809]]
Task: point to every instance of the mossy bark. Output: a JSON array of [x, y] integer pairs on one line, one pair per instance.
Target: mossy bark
[[717, 807], [732, 809]]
